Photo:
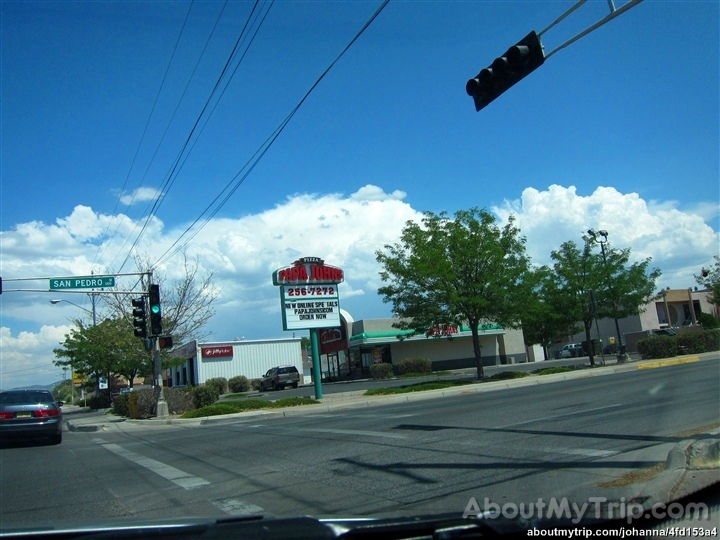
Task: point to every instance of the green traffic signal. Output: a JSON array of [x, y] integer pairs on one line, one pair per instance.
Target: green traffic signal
[[155, 312]]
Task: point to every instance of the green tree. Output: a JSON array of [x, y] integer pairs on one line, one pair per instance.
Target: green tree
[[187, 303], [545, 318], [710, 279], [63, 391], [461, 270], [596, 285], [86, 351]]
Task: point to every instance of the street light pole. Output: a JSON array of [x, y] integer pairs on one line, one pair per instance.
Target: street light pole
[[93, 312], [604, 234]]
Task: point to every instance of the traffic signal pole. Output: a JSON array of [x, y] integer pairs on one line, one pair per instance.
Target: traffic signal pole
[[162, 406], [526, 56], [614, 12]]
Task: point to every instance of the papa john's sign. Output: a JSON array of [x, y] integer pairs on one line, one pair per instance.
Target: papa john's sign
[[308, 294]]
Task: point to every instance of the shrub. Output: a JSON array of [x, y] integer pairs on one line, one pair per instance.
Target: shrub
[[657, 347], [179, 400], [219, 383], [381, 371], [708, 321], [121, 405], [239, 384], [99, 402], [255, 384], [413, 365], [698, 342], [204, 395], [143, 403]]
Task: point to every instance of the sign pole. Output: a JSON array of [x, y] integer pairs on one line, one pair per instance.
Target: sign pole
[[317, 374]]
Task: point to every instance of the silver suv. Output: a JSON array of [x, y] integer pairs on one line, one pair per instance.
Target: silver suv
[[279, 377], [572, 350]]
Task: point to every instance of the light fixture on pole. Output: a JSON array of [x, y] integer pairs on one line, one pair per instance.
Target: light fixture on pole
[[91, 312], [595, 236]]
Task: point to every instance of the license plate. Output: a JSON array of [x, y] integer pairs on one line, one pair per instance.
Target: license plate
[[24, 415]]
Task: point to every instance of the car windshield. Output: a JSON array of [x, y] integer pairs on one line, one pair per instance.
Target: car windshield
[[359, 259]]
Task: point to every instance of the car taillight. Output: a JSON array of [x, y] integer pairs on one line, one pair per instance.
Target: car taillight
[[46, 413], [6, 415]]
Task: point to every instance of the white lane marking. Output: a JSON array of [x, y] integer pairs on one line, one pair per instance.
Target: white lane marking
[[181, 478], [235, 507], [334, 431], [355, 432], [553, 417], [587, 452], [348, 415]]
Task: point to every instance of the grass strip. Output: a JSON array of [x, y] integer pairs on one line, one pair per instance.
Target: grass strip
[[552, 370], [230, 407], [431, 374], [418, 387], [506, 375]]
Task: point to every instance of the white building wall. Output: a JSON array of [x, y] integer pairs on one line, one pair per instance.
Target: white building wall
[[250, 358]]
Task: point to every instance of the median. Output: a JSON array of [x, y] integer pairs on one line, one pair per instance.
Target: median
[[238, 406], [439, 385]]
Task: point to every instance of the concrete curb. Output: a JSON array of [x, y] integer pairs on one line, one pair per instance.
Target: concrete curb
[[72, 426], [695, 455], [691, 465], [356, 399]]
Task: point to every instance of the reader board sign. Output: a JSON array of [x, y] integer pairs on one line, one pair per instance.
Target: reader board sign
[[308, 294], [309, 311]]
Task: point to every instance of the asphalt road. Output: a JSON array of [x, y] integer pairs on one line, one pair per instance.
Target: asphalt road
[[520, 444]]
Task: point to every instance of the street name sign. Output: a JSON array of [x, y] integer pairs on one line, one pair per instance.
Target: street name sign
[[82, 282]]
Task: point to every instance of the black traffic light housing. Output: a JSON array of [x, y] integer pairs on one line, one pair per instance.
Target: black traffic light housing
[[519, 61], [139, 317], [155, 312], [165, 342]]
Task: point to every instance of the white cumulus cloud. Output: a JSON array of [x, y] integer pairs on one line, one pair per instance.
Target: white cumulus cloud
[[345, 230], [678, 241]]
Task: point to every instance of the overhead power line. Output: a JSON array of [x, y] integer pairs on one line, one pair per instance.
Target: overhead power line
[[145, 129], [237, 180], [171, 176]]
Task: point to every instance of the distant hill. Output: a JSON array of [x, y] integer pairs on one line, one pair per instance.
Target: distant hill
[[38, 386]]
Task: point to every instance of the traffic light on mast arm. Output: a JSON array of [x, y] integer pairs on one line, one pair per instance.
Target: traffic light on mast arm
[[519, 61], [155, 313], [139, 317]]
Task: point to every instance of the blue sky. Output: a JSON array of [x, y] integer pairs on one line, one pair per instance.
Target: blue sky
[[619, 131]]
